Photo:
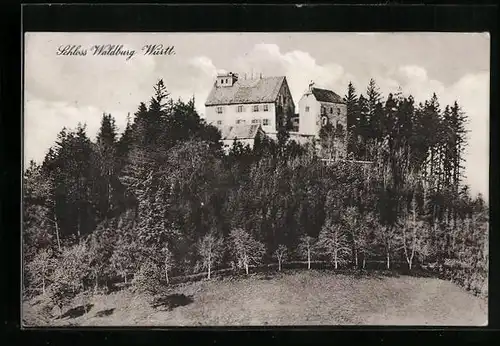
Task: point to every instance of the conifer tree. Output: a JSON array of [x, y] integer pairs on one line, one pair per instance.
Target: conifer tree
[[106, 162]]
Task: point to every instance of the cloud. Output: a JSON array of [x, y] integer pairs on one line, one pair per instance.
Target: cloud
[[43, 120], [472, 94], [61, 91], [100, 81], [471, 91], [413, 72], [64, 90], [298, 66]]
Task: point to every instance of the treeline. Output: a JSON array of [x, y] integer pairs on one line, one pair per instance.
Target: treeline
[[163, 199]]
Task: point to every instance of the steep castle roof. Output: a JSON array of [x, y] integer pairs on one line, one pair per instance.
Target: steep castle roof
[[262, 90], [240, 131], [324, 95]]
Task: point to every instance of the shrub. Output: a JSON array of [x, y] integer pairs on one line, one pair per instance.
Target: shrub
[[70, 275], [147, 280], [38, 272]]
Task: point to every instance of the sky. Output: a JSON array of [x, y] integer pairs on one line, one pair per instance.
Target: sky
[[63, 90]]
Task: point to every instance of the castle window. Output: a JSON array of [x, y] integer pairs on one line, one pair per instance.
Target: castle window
[[340, 128], [219, 110], [256, 108], [338, 111], [323, 110], [240, 109], [265, 122], [240, 121], [266, 108], [331, 110], [324, 120], [307, 108], [255, 121], [219, 122]]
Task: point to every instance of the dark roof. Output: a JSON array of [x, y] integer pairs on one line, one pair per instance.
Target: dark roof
[[260, 90], [324, 95], [240, 131]]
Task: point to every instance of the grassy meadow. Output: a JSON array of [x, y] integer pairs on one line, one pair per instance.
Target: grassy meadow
[[291, 297]]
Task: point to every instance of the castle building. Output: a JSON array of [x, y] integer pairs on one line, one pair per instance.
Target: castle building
[[245, 134], [319, 108], [264, 101], [241, 109]]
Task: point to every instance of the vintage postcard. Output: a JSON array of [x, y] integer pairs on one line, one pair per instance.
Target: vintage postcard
[[255, 179]]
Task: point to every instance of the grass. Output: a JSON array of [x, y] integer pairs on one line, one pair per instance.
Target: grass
[[288, 298]]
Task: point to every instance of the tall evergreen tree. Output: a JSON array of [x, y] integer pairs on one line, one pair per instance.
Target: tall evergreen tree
[[351, 100], [106, 162]]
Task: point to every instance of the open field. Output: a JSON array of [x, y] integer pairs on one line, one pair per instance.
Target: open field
[[289, 298]]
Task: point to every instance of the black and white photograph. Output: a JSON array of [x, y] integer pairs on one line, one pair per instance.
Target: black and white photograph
[[255, 179]]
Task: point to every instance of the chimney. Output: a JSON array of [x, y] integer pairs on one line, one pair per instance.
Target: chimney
[[311, 85]]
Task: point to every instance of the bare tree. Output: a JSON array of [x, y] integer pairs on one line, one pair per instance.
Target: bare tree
[[351, 222], [281, 254], [413, 236], [306, 248], [365, 243], [245, 248], [167, 262], [41, 267], [387, 236], [210, 249], [333, 242]]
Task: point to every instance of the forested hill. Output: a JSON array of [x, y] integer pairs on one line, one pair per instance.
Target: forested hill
[[163, 200]]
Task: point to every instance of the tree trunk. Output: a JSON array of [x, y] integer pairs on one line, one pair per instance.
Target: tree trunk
[[43, 284], [356, 257], [96, 283], [308, 259], [407, 258], [209, 270], [166, 268], [57, 232], [364, 262], [246, 267], [335, 259], [83, 303], [279, 264], [108, 194], [388, 261], [78, 225], [125, 277], [412, 254]]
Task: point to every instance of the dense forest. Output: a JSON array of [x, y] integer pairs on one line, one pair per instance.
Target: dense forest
[[163, 200]]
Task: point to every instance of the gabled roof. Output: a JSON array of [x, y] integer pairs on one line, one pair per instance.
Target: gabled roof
[[240, 131], [260, 90], [324, 95]]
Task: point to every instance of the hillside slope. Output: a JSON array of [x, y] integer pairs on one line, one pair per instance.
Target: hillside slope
[[297, 298]]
